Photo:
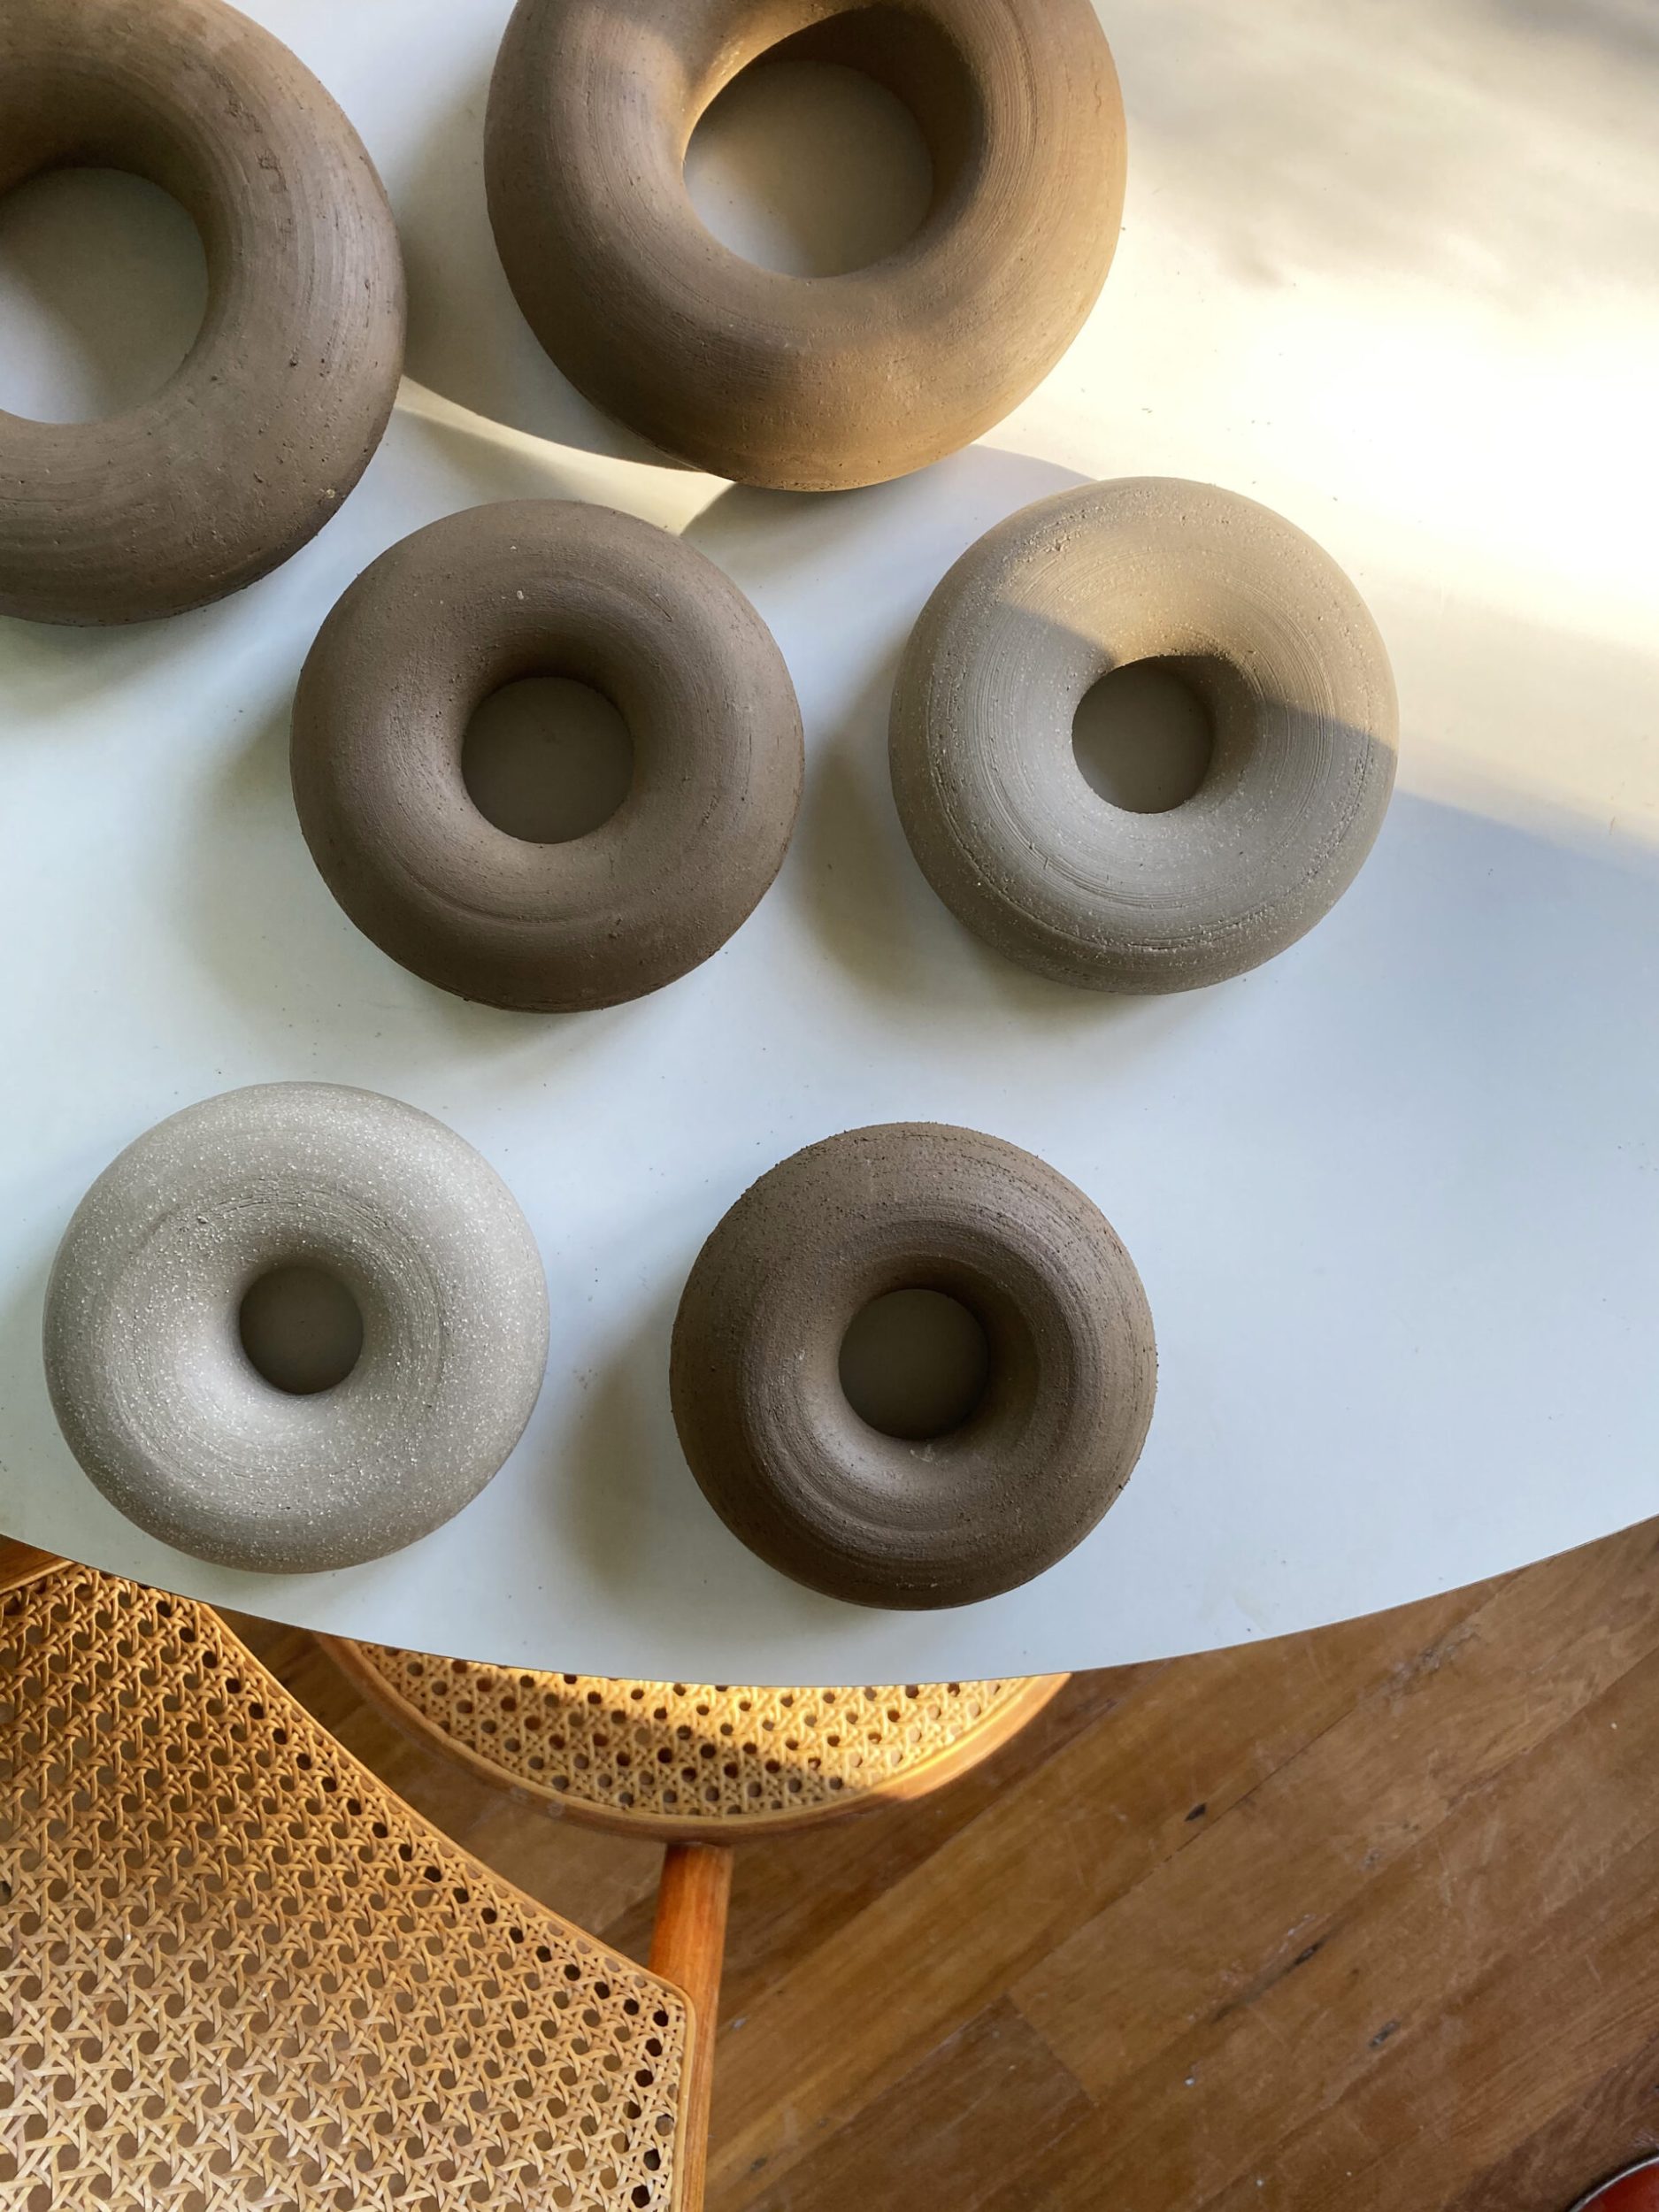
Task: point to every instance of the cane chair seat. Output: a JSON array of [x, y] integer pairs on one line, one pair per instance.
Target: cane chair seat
[[693, 1760], [236, 1971]]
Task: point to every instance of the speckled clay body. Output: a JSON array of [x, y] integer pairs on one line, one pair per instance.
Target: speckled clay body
[[546, 588], [794, 1473], [807, 384], [163, 1410], [270, 421], [1265, 628]]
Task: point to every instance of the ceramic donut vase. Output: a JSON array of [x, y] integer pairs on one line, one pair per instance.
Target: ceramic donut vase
[[819, 384], [546, 588], [166, 1412], [266, 425], [768, 1430], [1274, 640]]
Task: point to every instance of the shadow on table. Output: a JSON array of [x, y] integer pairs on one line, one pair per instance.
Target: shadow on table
[[467, 337], [625, 1501], [841, 579]]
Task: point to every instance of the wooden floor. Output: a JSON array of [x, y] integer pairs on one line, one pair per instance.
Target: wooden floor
[[1365, 1918]]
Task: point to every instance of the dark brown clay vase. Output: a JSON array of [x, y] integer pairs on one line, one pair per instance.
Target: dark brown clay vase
[[1279, 648], [876, 1519], [806, 384], [548, 587], [266, 427]]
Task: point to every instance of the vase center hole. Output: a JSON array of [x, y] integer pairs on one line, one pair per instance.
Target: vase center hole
[[301, 1329], [1143, 737], [546, 759], [102, 289], [914, 1364], [809, 168]]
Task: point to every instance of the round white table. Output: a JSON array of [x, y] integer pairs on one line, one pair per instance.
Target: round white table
[[1394, 1196]]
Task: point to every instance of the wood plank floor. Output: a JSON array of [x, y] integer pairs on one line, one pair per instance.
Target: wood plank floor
[[1369, 1918]]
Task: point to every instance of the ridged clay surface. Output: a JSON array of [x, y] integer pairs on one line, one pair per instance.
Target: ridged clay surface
[[266, 427], [819, 383], [161, 1405], [1265, 628], [767, 1429], [558, 588]]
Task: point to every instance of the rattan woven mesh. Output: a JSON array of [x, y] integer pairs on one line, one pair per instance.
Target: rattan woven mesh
[[234, 1970], [692, 1750]]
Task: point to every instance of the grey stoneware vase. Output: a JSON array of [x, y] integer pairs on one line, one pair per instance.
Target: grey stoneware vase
[[1279, 649], [546, 586], [883, 1520], [262, 431], [162, 1405], [833, 381]]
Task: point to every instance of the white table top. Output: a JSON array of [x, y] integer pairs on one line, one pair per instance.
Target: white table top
[[1395, 1196]]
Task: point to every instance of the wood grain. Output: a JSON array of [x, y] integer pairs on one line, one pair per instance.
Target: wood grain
[[20, 1563], [1617, 2119], [1365, 1916], [996, 2065], [687, 1945], [997, 1896]]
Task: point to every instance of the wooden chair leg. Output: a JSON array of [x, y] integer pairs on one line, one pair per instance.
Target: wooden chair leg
[[21, 1562], [688, 1949]]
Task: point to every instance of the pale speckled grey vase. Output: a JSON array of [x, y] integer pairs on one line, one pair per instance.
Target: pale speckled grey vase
[[160, 1404]]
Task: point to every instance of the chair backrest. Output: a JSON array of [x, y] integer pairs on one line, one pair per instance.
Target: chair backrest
[[235, 1970]]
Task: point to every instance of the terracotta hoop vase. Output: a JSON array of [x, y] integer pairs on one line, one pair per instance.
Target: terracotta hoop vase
[[1279, 648], [266, 427], [168, 1415], [875, 1519], [805, 384], [548, 587]]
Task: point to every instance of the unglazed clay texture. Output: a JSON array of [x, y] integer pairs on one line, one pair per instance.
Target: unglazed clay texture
[[270, 421], [546, 588], [794, 1473], [815, 384], [1267, 630], [163, 1408]]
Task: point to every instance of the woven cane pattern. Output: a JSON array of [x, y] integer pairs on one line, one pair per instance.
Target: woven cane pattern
[[236, 1971], [685, 1750]]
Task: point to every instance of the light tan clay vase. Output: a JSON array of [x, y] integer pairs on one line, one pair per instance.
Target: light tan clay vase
[[266, 427], [1269, 633], [879, 1520], [166, 1413], [807, 384], [546, 588]]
